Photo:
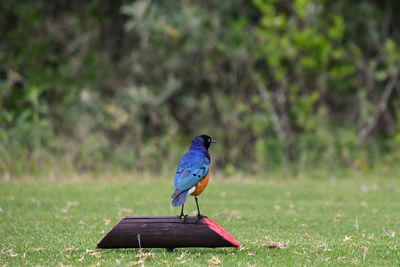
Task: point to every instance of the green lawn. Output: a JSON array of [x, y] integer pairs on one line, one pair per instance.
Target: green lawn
[[321, 222]]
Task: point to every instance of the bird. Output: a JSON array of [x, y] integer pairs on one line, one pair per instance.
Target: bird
[[192, 173]]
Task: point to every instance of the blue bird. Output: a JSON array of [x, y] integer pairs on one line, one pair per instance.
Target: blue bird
[[193, 173]]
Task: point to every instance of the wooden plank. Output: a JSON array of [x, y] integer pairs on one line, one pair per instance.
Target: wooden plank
[[167, 232]]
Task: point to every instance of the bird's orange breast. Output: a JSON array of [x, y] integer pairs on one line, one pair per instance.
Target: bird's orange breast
[[202, 184]]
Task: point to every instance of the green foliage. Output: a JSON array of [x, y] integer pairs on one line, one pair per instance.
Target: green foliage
[[126, 85]]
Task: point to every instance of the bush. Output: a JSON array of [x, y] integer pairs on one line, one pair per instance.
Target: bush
[[126, 85]]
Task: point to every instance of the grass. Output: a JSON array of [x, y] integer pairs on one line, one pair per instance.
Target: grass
[[317, 222]]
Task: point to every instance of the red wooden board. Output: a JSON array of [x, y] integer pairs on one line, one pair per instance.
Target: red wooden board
[[167, 232]]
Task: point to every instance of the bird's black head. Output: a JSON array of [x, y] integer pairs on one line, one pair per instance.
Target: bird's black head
[[203, 140]]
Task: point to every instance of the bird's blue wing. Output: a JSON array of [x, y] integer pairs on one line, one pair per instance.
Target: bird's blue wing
[[191, 170]]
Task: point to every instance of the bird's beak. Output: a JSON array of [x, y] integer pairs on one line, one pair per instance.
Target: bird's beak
[[213, 141]]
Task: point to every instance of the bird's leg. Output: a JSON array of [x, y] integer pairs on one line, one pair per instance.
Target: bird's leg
[[197, 204], [182, 216], [199, 216]]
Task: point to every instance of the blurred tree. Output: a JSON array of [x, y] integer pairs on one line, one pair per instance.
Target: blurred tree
[[126, 84]]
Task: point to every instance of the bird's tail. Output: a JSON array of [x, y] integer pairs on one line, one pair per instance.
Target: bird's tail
[[179, 197]]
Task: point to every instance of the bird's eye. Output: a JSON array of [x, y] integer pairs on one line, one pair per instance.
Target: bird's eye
[[209, 140]]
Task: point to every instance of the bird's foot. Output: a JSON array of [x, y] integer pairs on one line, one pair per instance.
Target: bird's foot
[[183, 217], [199, 217]]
